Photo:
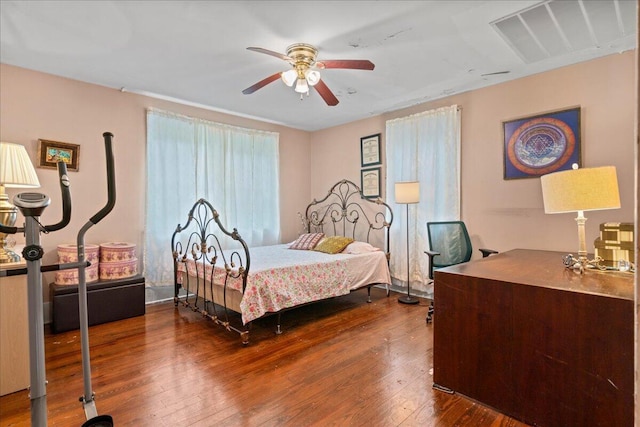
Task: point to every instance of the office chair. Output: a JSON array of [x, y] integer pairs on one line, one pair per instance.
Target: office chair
[[449, 244]]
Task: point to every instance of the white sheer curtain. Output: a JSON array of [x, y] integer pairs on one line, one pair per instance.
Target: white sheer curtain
[[235, 169], [423, 147]]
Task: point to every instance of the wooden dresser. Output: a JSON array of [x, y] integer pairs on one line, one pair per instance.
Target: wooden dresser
[[14, 332], [540, 343]]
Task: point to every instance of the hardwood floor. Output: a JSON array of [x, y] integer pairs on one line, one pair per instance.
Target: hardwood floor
[[338, 362]]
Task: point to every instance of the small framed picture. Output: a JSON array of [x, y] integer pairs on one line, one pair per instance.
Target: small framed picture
[[370, 182], [51, 152], [541, 144], [370, 150]]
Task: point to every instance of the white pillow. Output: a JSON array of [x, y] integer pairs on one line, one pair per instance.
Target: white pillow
[[359, 248]]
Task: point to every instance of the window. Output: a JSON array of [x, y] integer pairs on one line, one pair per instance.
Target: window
[[235, 169], [424, 147]]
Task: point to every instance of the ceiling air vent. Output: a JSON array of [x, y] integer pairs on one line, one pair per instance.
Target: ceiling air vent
[[556, 27]]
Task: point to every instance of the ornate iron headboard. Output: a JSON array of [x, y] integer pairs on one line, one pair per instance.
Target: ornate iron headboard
[[205, 244], [345, 211]]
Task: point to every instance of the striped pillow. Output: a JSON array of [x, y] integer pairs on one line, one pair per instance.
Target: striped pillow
[[307, 241]]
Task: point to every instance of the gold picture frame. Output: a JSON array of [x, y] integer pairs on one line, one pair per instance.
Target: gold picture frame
[[50, 152]]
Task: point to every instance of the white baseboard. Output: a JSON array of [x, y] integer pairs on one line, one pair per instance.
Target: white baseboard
[[414, 292]]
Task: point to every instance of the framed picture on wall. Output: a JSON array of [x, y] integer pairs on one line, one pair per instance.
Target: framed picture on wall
[[541, 144], [51, 152], [370, 150], [370, 182]]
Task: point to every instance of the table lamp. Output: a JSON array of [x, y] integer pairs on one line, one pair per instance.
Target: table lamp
[[407, 193], [580, 190], [16, 171]]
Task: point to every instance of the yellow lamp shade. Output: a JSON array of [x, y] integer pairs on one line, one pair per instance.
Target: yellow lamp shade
[[584, 189]]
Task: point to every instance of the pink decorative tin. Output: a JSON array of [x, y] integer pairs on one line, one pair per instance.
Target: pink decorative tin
[[117, 251], [70, 277], [69, 253], [118, 269]]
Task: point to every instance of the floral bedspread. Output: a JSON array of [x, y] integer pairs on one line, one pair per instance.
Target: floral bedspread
[[281, 278]]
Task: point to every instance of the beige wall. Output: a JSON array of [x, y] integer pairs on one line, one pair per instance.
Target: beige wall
[[501, 214], [40, 106]]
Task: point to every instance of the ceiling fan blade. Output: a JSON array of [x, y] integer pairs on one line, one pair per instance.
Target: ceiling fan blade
[[262, 83], [326, 93], [355, 64], [270, 52]]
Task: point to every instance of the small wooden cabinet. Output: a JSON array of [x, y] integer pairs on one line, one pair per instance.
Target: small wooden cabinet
[[14, 332]]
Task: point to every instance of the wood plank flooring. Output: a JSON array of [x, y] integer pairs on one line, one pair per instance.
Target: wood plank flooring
[[339, 362]]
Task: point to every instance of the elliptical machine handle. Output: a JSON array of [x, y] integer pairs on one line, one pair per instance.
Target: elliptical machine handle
[[66, 199], [8, 230], [111, 181], [36, 210]]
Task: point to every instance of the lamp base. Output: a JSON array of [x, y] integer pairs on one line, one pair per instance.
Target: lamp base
[[580, 264], [7, 255], [408, 299], [8, 216]]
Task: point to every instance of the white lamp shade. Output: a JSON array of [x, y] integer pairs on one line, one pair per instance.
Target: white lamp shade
[[16, 169], [289, 77], [312, 76], [585, 189], [302, 86], [407, 192]]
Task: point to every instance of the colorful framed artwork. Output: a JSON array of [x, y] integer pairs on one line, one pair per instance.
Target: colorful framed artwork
[[541, 144], [370, 150], [370, 181], [51, 152]]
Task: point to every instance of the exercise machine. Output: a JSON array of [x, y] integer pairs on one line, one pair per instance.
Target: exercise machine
[[31, 206]]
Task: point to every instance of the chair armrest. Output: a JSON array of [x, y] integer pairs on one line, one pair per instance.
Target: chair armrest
[[431, 254], [487, 252]]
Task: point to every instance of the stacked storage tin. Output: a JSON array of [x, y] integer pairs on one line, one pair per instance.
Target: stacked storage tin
[[69, 253], [118, 260]]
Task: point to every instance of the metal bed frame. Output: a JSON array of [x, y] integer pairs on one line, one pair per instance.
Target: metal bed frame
[[343, 211]]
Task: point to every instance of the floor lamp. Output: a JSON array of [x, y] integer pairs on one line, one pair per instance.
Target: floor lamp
[[408, 193]]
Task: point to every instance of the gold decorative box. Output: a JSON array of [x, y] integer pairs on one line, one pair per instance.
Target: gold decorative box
[[616, 232], [616, 243]]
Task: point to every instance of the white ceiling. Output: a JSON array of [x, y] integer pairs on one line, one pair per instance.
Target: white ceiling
[[195, 51]]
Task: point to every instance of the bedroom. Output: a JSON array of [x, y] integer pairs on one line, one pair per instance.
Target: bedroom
[[500, 214]]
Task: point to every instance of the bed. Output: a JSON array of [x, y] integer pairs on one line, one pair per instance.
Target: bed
[[343, 247]]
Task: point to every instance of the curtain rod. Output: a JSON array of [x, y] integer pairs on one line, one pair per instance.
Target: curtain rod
[[211, 122], [424, 113]]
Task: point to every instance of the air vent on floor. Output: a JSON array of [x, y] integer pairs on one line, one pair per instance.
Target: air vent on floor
[[556, 27]]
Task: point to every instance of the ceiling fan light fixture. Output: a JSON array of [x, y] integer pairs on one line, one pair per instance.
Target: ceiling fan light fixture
[[302, 86], [312, 76], [302, 57], [289, 77]]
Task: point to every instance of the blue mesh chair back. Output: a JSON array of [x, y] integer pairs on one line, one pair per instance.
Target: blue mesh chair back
[[449, 244], [451, 240]]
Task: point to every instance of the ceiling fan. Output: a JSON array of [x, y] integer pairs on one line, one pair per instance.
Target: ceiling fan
[[304, 73]]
